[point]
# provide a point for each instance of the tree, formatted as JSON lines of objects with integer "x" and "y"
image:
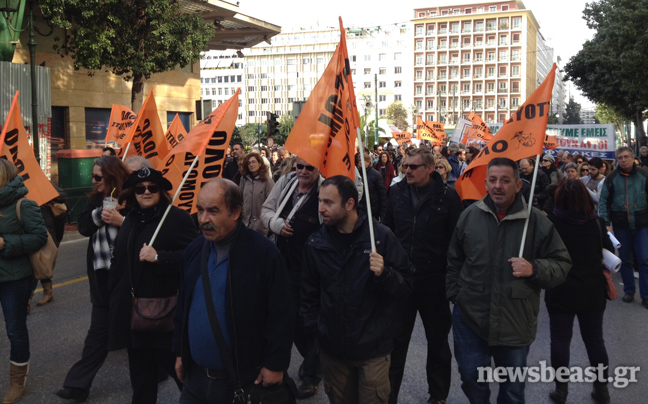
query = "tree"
{"x": 133, "y": 38}
{"x": 606, "y": 114}
{"x": 250, "y": 133}
{"x": 286, "y": 123}
{"x": 572, "y": 113}
{"x": 368, "y": 130}
{"x": 397, "y": 113}
{"x": 610, "y": 68}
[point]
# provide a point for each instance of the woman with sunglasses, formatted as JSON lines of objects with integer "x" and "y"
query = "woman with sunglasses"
{"x": 100, "y": 223}
{"x": 583, "y": 170}
{"x": 140, "y": 270}
{"x": 256, "y": 185}
{"x": 445, "y": 171}
{"x": 548, "y": 165}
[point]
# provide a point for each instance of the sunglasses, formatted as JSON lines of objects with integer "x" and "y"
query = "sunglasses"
{"x": 546, "y": 161}
{"x": 140, "y": 189}
{"x": 439, "y": 168}
{"x": 96, "y": 177}
{"x": 412, "y": 166}
{"x": 302, "y": 166}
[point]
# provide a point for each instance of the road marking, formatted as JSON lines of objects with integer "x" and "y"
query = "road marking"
{"x": 58, "y": 285}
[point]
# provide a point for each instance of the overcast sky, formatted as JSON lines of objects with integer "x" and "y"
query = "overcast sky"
{"x": 561, "y": 21}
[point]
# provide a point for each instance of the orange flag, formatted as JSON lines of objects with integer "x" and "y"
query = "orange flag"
{"x": 522, "y": 136}
{"x": 14, "y": 146}
{"x": 326, "y": 130}
{"x": 479, "y": 132}
{"x": 208, "y": 140}
{"x": 146, "y": 136}
{"x": 402, "y": 137}
{"x": 550, "y": 142}
{"x": 121, "y": 120}
{"x": 176, "y": 133}
{"x": 432, "y": 131}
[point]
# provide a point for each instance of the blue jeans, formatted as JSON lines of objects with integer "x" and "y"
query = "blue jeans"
{"x": 473, "y": 352}
{"x": 637, "y": 239}
{"x": 14, "y": 296}
{"x": 200, "y": 389}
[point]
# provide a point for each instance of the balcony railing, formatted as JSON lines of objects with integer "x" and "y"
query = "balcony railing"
{"x": 443, "y": 47}
{"x": 502, "y": 90}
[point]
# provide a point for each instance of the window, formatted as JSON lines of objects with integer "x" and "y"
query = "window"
{"x": 468, "y": 11}
{"x": 502, "y": 102}
{"x": 251, "y": 88}
{"x": 382, "y": 98}
{"x": 490, "y": 71}
{"x": 264, "y": 88}
{"x": 466, "y": 57}
{"x": 277, "y": 88}
{"x": 320, "y": 61}
{"x": 367, "y": 58}
{"x": 277, "y": 100}
{"x": 478, "y": 72}
{"x": 443, "y": 58}
{"x": 491, "y": 56}
{"x": 290, "y": 62}
{"x": 503, "y": 40}
{"x": 226, "y": 91}
{"x": 503, "y": 55}
{"x": 220, "y": 79}
{"x": 467, "y": 27}
{"x": 239, "y": 78}
{"x": 490, "y": 87}
{"x": 443, "y": 88}
{"x": 419, "y": 104}
{"x": 226, "y": 79}
{"x": 419, "y": 60}
{"x": 479, "y": 26}
{"x": 398, "y": 70}
{"x": 515, "y": 71}
{"x": 419, "y": 90}
{"x": 478, "y": 57}
{"x": 250, "y": 100}
{"x": 454, "y": 28}
{"x": 430, "y": 104}
{"x": 419, "y": 45}
{"x": 515, "y": 54}
{"x": 383, "y": 56}
{"x": 382, "y": 84}
{"x": 478, "y": 88}
{"x": 398, "y": 97}
{"x": 516, "y": 22}
{"x": 220, "y": 91}
{"x": 515, "y": 102}
{"x": 367, "y": 72}
{"x": 251, "y": 113}
{"x": 502, "y": 71}
{"x": 382, "y": 70}
{"x": 398, "y": 84}
{"x": 419, "y": 75}
{"x": 492, "y": 9}
{"x": 306, "y": 61}
{"x": 367, "y": 84}
{"x": 264, "y": 100}
{"x": 398, "y": 56}
{"x": 419, "y": 30}
{"x": 505, "y": 7}
{"x": 353, "y": 58}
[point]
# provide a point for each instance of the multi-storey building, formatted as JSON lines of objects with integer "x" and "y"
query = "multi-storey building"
{"x": 546, "y": 57}
{"x": 273, "y": 76}
{"x": 474, "y": 56}
{"x": 587, "y": 115}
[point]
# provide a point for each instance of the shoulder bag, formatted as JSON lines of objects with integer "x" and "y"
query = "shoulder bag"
{"x": 251, "y": 393}
{"x": 43, "y": 260}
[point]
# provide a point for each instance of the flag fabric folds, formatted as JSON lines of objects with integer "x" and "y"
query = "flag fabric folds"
{"x": 15, "y": 147}
{"x": 430, "y": 131}
{"x": 521, "y": 136}
{"x": 176, "y": 133}
{"x": 120, "y": 123}
{"x": 478, "y": 133}
{"x": 325, "y": 132}
{"x": 209, "y": 141}
{"x": 402, "y": 137}
{"x": 550, "y": 142}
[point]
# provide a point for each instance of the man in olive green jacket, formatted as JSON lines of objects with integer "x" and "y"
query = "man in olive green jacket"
{"x": 496, "y": 292}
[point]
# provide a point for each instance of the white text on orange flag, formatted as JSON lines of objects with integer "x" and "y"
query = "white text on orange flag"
{"x": 120, "y": 123}
{"x": 522, "y": 136}
{"x": 15, "y": 148}
{"x": 209, "y": 141}
{"x": 324, "y": 134}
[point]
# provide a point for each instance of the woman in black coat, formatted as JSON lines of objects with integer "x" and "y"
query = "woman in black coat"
{"x": 150, "y": 271}
{"x": 583, "y": 294}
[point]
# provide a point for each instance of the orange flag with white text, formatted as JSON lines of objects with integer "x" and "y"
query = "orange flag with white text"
{"x": 15, "y": 147}
{"x": 176, "y": 133}
{"x": 208, "y": 140}
{"x": 478, "y": 133}
{"x": 521, "y": 136}
{"x": 146, "y": 136}
{"x": 431, "y": 131}
{"x": 121, "y": 120}
{"x": 325, "y": 132}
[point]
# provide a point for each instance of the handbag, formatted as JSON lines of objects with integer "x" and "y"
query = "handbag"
{"x": 251, "y": 393}
{"x": 151, "y": 314}
{"x": 43, "y": 260}
{"x": 609, "y": 285}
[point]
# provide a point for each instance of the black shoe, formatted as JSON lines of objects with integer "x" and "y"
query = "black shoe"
{"x": 644, "y": 303}
{"x": 73, "y": 393}
{"x": 628, "y": 298}
{"x": 306, "y": 389}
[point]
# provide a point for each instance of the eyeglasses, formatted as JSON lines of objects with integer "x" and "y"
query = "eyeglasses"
{"x": 412, "y": 166}
{"x": 302, "y": 166}
{"x": 96, "y": 177}
{"x": 546, "y": 161}
{"x": 439, "y": 168}
{"x": 140, "y": 189}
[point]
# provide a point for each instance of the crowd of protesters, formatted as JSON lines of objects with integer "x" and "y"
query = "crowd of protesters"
{"x": 286, "y": 257}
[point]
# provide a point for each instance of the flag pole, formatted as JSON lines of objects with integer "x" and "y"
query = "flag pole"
{"x": 366, "y": 192}
{"x": 126, "y": 152}
{"x": 175, "y": 196}
{"x": 526, "y": 222}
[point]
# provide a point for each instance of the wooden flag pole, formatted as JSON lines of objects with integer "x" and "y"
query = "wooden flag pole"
{"x": 126, "y": 152}
{"x": 366, "y": 191}
{"x": 175, "y": 196}
{"x": 526, "y": 223}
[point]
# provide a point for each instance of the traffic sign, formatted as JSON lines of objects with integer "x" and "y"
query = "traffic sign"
{"x": 270, "y": 141}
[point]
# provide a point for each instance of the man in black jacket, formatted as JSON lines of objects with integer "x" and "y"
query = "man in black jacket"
{"x": 377, "y": 193}
{"x": 422, "y": 212}
{"x": 349, "y": 293}
{"x": 251, "y": 298}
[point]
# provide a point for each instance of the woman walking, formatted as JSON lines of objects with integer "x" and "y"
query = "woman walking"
{"x": 256, "y": 185}
{"x": 18, "y": 239}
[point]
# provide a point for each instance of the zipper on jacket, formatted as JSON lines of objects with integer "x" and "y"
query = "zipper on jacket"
{"x": 229, "y": 282}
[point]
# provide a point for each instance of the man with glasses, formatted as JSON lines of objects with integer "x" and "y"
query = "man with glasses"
{"x": 422, "y": 212}
{"x": 290, "y": 211}
{"x": 624, "y": 207}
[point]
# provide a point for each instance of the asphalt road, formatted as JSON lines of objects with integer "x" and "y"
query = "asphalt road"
{"x": 57, "y": 331}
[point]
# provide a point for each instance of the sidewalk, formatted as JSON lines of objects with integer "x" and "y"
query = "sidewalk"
{"x": 71, "y": 233}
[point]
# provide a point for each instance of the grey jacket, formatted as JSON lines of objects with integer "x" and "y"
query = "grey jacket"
{"x": 255, "y": 193}
{"x": 502, "y": 309}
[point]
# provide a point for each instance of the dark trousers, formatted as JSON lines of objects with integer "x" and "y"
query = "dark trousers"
{"x": 429, "y": 299}
{"x": 95, "y": 351}
{"x": 200, "y": 389}
{"x": 591, "y": 328}
{"x": 143, "y": 365}
{"x": 14, "y": 296}
{"x": 306, "y": 346}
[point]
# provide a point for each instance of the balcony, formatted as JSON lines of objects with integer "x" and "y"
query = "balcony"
{"x": 515, "y": 90}
{"x": 479, "y": 44}
{"x": 429, "y": 94}
{"x": 431, "y": 33}
{"x": 429, "y": 48}
{"x": 490, "y": 28}
{"x": 503, "y": 59}
{"x": 479, "y": 60}
{"x": 443, "y": 62}
{"x": 466, "y": 31}
{"x": 429, "y": 63}
{"x": 515, "y": 58}
{"x": 454, "y": 45}
{"x": 503, "y": 43}
{"x": 465, "y": 92}
{"x": 503, "y": 26}
{"x": 418, "y": 93}
{"x": 454, "y": 31}
{"x": 465, "y": 45}
{"x": 490, "y": 43}
{"x": 442, "y": 46}
{"x": 443, "y": 31}
{"x": 465, "y": 77}
{"x": 502, "y": 75}
{"x": 502, "y": 90}
{"x": 442, "y": 77}
{"x": 477, "y": 76}
{"x": 479, "y": 29}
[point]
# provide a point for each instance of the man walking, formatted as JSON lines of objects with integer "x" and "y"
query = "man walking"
{"x": 624, "y": 208}
{"x": 422, "y": 212}
{"x": 231, "y": 171}
{"x": 496, "y": 292}
{"x": 348, "y": 295}
{"x": 251, "y": 297}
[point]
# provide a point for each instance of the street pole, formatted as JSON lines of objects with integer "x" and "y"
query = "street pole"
{"x": 34, "y": 89}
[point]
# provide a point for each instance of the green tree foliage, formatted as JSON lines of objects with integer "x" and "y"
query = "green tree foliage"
{"x": 368, "y": 130}
{"x": 133, "y": 38}
{"x": 286, "y": 123}
{"x": 611, "y": 67}
{"x": 572, "y": 113}
{"x": 397, "y": 113}
{"x": 249, "y": 133}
